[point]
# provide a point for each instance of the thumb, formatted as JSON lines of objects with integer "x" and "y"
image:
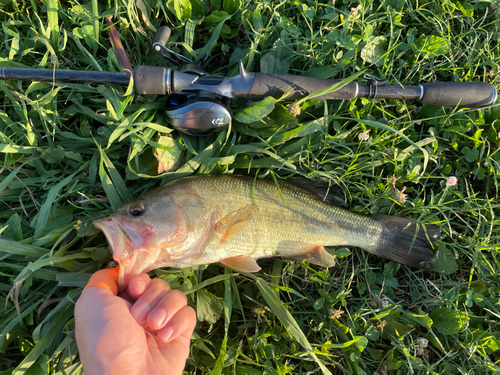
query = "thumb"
{"x": 107, "y": 279}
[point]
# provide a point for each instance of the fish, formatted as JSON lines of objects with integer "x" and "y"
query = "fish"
{"x": 235, "y": 220}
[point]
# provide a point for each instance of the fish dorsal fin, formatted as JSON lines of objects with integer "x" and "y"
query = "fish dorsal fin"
{"x": 241, "y": 263}
{"x": 316, "y": 255}
{"x": 320, "y": 190}
{"x": 236, "y": 221}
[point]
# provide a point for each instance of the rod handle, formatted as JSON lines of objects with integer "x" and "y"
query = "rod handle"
{"x": 151, "y": 80}
{"x": 463, "y": 94}
{"x": 277, "y": 85}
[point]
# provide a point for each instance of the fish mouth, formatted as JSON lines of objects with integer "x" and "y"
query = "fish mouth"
{"x": 118, "y": 239}
{"x": 121, "y": 247}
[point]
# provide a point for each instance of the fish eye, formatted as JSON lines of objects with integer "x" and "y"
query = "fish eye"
{"x": 137, "y": 209}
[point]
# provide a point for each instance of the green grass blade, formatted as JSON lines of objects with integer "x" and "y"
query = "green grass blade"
{"x": 189, "y": 39}
{"x": 214, "y": 37}
{"x": 117, "y": 180}
{"x": 107, "y": 184}
{"x": 126, "y": 123}
{"x": 288, "y": 321}
{"x": 13, "y": 149}
{"x": 52, "y": 12}
{"x": 259, "y": 150}
{"x": 210, "y": 281}
{"x": 47, "y": 205}
{"x": 334, "y": 87}
{"x": 95, "y": 13}
{"x": 7, "y": 180}
{"x": 360, "y": 340}
{"x": 33, "y": 267}
{"x": 12, "y": 247}
{"x": 376, "y": 124}
{"x": 228, "y": 308}
{"x": 9, "y": 326}
{"x": 46, "y": 340}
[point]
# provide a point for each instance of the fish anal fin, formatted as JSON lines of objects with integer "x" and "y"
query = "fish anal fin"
{"x": 316, "y": 254}
{"x": 236, "y": 221}
{"x": 241, "y": 263}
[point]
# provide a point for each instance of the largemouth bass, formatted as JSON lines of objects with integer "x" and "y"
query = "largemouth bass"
{"x": 235, "y": 220}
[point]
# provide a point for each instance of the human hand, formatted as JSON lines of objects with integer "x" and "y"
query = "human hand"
{"x": 145, "y": 330}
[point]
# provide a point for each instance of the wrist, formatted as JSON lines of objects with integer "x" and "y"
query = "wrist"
{"x": 100, "y": 369}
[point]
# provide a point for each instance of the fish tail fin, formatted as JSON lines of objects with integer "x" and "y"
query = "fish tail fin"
{"x": 405, "y": 242}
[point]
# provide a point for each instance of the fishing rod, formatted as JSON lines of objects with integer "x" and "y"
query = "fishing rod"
{"x": 198, "y": 103}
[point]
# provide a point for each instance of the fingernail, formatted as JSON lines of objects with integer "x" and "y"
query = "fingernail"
{"x": 141, "y": 286}
{"x": 158, "y": 316}
{"x": 141, "y": 310}
{"x": 166, "y": 333}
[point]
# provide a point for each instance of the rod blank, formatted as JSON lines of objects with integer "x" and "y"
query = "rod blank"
{"x": 68, "y": 76}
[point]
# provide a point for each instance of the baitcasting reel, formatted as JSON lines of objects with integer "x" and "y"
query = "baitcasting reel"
{"x": 200, "y": 112}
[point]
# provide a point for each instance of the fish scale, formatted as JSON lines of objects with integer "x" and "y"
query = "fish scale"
{"x": 297, "y": 217}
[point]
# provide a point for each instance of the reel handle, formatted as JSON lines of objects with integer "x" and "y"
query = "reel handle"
{"x": 162, "y": 36}
{"x": 160, "y": 40}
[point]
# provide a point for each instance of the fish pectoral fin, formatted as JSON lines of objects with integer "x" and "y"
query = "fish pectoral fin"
{"x": 316, "y": 255}
{"x": 241, "y": 263}
{"x": 236, "y": 221}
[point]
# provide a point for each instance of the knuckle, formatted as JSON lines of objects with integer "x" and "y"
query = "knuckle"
{"x": 160, "y": 284}
{"x": 178, "y": 295}
{"x": 191, "y": 311}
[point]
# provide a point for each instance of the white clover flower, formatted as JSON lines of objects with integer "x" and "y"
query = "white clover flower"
{"x": 363, "y": 136}
{"x": 452, "y": 181}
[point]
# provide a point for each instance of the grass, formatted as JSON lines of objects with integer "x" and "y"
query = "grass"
{"x": 71, "y": 153}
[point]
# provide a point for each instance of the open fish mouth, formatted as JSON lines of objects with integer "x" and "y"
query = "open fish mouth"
{"x": 118, "y": 239}
{"x": 120, "y": 243}
{"x": 123, "y": 246}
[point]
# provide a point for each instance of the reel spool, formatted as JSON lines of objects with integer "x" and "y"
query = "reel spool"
{"x": 198, "y": 113}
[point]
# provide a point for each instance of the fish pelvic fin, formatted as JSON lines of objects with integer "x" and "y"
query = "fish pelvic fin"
{"x": 241, "y": 263}
{"x": 405, "y": 242}
{"x": 236, "y": 221}
{"x": 316, "y": 255}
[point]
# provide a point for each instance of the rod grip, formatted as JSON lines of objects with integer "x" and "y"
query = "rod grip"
{"x": 277, "y": 85}
{"x": 463, "y": 94}
{"x": 162, "y": 35}
{"x": 150, "y": 80}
